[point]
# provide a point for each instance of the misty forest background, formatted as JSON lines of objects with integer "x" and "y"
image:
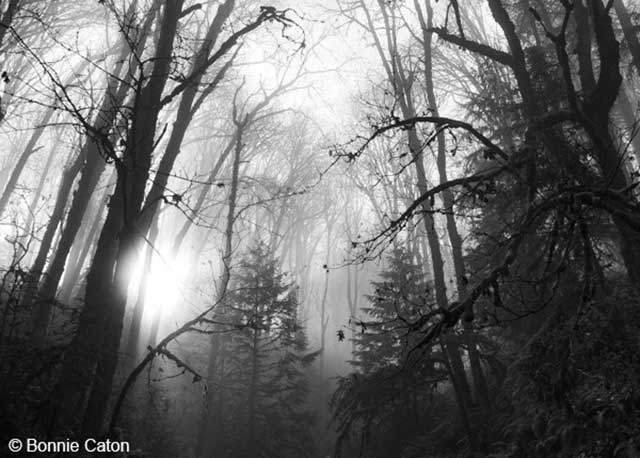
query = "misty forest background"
{"x": 355, "y": 228}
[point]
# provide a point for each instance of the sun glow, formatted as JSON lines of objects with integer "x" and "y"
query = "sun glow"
{"x": 164, "y": 285}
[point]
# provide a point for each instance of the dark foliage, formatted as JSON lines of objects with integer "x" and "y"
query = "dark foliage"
{"x": 262, "y": 366}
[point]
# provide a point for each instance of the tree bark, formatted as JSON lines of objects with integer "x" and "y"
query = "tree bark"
{"x": 597, "y": 109}
{"x": 253, "y": 390}
{"x": 324, "y": 318}
{"x": 458, "y": 374}
{"x": 7, "y": 18}
{"x": 186, "y": 111}
{"x": 132, "y": 178}
{"x": 33, "y": 205}
{"x": 479, "y": 381}
{"x": 90, "y": 362}
{"x": 208, "y": 418}
{"x": 202, "y": 196}
{"x": 628, "y": 30}
{"x": 29, "y": 149}
{"x": 629, "y": 116}
{"x": 91, "y": 172}
{"x": 31, "y": 146}
{"x": 583, "y": 47}
{"x": 402, "y": 86}
{"x": 42, "y": 313}
{"x": 76, "y": 262}
{"x": 89, "y": 178}
{"x": 136, "y": 321}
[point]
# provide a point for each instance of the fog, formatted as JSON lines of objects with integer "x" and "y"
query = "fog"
{"x": 319, "y": 229}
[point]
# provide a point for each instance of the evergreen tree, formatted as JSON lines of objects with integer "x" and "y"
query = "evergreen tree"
{"x": 400, "y": 295}
{"x": 263, "y": 387}
{"x": 385, "y": 408}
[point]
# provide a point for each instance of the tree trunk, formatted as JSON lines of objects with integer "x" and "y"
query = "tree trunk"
{"x": 253, "y": 392}
{"x": 479, "y": 381}
{"x": 33, "y": 140}
{"x": 186, "y": 111}
{"x": 33, "y": 205}
{"x": 457, "y": 371}
{"x": 136, "y": 321}
{"x": 597, "y": 108}
{"x": 324, "y": 318}
{"x": 153, "y": 200}
{"x": 42, "y": 312}
{"x": 7, "y": 18}
{"x": 89, "y": 178}
{"x": 90, "y": 362}
{"x": 629, "y": 33}
{"x": 352, "y": 282}
{"x": 208, "y": 418}
{"x": 628, "y": 114}
{"x": 202, "y": 196}
{"x": 92, "y": 170}
{"x": 458, "y": 374}
{"x": 583, "y": 47}
{"x": 5, "y": 24}
{"x": 132, "y": 175}
{"x": 352, "y": 300}
{"x": 84, "y": 249}
{"x": 29, "y": 149}
{"x": 402, "y": 86}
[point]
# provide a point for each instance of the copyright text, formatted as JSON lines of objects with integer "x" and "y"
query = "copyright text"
{"x": 32, "y": 445}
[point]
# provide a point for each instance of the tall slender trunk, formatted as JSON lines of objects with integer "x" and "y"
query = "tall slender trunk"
{"x": 7, "y": 18}
{"x": 136, "y": 321}
{"x": 31, "y": 146}
{"x": 37, "y": 193}
{"x": 253, "y": 391}
{"x": 89, "y": 178}
{"x": 218, "y": 421}
{"x": 629, "y": 32}
{"x": 153, "y": 200}
{"x": 630, "y": 118}
{"x": 80, "y": 362}
{"x": 451, "y": 348}
{"x": 42, "y": 312}
{"x": 205, "y": 441}
{"x": 352, "y": 300}
{"x": 81, "y": 251}
{"x": 402, "y": 86}
{"x": 73, "y": 259}
{"x": 477, "y": 374}
{"x": 324, "y": 318}
{"x": 583, "y": 47}
{"x": 92, "y": 170}
{"x": 182, "y": 233}
{"x": 352, "y": 284}
{"x": 133, "y": 174}
{"x": 186, "y": 110}
{"x": 597, "y": 109}
{"x": 28, "y": 151}
{"x": 5, "y": 24}
{"x": 90, "y": 362}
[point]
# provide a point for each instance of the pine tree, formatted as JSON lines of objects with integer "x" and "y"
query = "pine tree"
{"x": 388, "y": 404}
{"x": 401, "y": 293}
{"x": 264, "y": 386}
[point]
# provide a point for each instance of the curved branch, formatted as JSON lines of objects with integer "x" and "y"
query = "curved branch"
{"x": 410, "y": 123}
